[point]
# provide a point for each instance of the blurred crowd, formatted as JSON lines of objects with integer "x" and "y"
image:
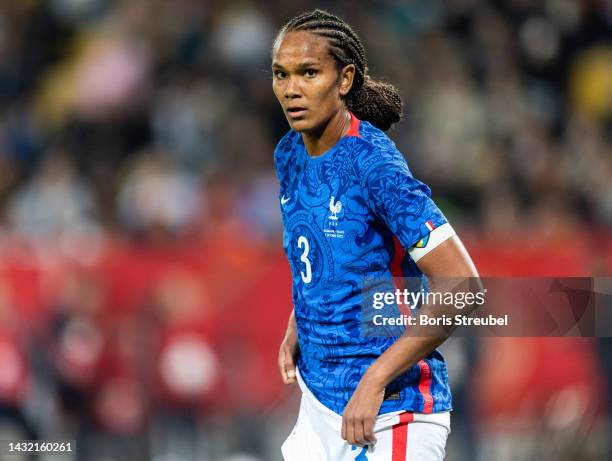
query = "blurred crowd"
{"x": 142, "y": 288}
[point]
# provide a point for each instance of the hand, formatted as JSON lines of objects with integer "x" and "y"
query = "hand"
{"x": 360, "y": 413}
{"x": 286, "y": 357}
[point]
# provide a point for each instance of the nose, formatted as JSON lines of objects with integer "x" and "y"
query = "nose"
{"x": 292, "y": 88}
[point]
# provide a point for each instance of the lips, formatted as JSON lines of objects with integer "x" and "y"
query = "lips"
{"x": 296, "y": 112}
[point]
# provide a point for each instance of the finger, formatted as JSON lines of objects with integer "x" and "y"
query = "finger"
{"x": 288, "y": 367}
{"x": 358, "y": 432}
{"x": 281, "y": 364}
{"x": 343, "y": 430}
{"x": 368, "y": 431}
{"x": 350, "y": 432}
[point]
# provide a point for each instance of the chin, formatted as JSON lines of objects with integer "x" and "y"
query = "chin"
{"x": 304, "y": 126}
{"x": 299, "y": 125}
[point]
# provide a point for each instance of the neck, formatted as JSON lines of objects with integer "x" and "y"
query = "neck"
{"x": 320, "y": 142}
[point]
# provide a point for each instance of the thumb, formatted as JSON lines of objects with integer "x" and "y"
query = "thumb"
{"x": 291, "y": 374}
{"x": 289, "y": 369}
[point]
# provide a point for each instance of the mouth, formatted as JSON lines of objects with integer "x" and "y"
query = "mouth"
{"x": 296, "y": 112}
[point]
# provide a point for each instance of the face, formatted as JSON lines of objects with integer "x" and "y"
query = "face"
{"x": 307, "y": 82}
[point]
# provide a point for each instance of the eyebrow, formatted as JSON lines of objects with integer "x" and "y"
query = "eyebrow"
{"x": 300, "y": 66}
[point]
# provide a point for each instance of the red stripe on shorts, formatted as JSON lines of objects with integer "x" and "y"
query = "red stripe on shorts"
{"x": 399, "y": 437}
{"x": 425, "y": 386}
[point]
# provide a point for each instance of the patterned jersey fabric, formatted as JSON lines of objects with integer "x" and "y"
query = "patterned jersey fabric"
{"x": 341, "y": 214}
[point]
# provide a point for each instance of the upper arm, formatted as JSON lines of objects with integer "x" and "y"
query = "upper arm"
{"x": 405, "y": 205}
{"x": 400, "y": 200}
{"x": 448, "y": 259}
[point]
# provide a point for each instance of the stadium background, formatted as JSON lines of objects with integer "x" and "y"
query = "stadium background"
{"x": 143, "y": 289}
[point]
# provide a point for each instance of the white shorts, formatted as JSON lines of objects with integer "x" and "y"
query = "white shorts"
{"x": 401, "y": 436}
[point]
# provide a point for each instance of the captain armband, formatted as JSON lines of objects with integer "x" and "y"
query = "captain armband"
{"x": 436, "y": 236}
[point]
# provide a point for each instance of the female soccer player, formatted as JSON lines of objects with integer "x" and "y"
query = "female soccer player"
{"x": 352, "y": 209}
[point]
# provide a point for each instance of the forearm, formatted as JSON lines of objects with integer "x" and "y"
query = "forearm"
{"x": 398, "y": 358}
{"x": 288, "y": 351}
{"x": 291, "y": 325}
{"x": 291, "y": 333}
{"x": 419, "y": 340}
{"x": 449, "y": 268}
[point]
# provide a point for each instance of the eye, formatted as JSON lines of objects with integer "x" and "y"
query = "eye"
{"x": 279, "y": 74}
{"x": 310, "y": 73}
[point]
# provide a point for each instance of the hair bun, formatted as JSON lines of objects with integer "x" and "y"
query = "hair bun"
{"x": 377, "y": 102}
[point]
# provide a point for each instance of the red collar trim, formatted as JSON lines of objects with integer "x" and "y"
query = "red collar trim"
{"x": 354, "y": 128}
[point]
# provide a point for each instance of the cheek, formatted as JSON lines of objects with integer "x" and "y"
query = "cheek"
{"x": 327, "y": 93}
{"x": 330, "y": 98}
{"x": 276, "y": 89}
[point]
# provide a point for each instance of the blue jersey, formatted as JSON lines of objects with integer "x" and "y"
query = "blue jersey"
{"x": 343, "y": 213}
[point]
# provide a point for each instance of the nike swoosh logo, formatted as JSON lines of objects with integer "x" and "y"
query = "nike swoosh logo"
{"x": 284, "y": 200}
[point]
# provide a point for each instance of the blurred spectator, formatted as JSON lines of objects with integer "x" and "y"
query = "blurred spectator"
{"x": 158, "y": 196}
{"x": 56, "y": 203}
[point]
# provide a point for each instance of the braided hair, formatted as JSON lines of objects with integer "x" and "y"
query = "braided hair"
{"x": 377, "y": 102}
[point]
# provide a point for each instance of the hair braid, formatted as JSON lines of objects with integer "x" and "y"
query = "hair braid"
{"x": 369, "y": 99}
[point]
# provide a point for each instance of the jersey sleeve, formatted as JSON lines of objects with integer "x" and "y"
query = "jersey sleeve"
{"x": 404, "y": 203}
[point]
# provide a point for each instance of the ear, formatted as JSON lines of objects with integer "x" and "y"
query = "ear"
{"x": 346, "y": 79}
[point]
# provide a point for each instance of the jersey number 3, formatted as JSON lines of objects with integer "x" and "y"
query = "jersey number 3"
{"x": 303, "y": 243}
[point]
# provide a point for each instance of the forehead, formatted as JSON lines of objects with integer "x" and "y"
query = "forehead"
{"x": 296, "y": 47}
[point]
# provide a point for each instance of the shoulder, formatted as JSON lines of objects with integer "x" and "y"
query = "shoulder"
{"x": 374, "y": 137}
{"x": 286, "y": 143}
{"x": 284, "y": 149}
{"x": 373, "y": 150}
